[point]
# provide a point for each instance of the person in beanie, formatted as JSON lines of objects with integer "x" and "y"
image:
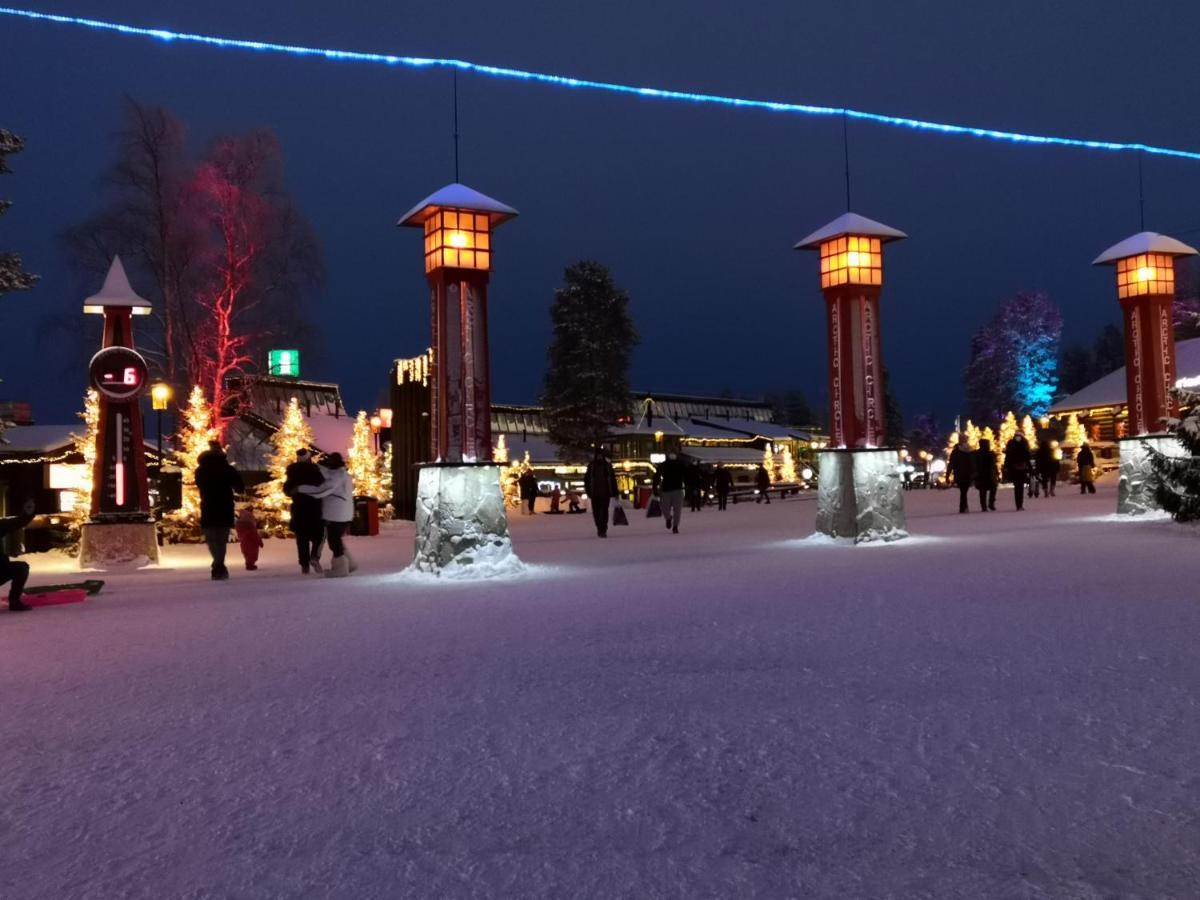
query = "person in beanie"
{"x": 1018, "y": 462}
{"x": 600, "y": 483}
{"x": 217, "y": 481}
{"x": 306, "y": 521}
{"x": 986, "y": 479}
{"x": 15, "y": 571}
{"x": 962, "y": 471}
{"x": 248, "y": 537}
{"x": 337, "y": 509}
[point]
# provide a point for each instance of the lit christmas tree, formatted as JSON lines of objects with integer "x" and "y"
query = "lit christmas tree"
{"x": 364, "y": 462}
{"x": 787, "y": 467}
{"x": 500, "y": 451}
{"x": 192, "y": 440}
{"x": 989, "y": 436}
{"x": 769, "y": 462}
{"x": 1029, "y": 431}
{"x": 293, "y": 434}
{"x": 85, "y": 445}
{"x": 1008, "y": 430}
{"x": 1076, "y": 433}
{"x": 951, "y": 443}
{"x": 971, "y": 433}
{"x": 509, "y": 476}
{"x": 1177, "y": 479}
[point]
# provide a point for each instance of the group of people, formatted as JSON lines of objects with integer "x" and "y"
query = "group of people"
{"x": 322, "y": 507}
{"x": 1030, "y": 470}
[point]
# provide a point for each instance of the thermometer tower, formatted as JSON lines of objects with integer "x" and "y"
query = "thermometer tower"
{"x": 122, "y": 527}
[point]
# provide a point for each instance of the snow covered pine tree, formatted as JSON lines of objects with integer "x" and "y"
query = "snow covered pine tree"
{"x": 13, "y": 276}
{"x": 1177, "y": 479}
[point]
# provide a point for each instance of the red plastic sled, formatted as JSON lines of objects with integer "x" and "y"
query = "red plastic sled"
{"x": 56, "y": 598}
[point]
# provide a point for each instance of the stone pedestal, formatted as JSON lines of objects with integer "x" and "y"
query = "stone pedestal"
{"x": 462, "y": 527}
{"x": 860, "y": 496}
{"x": 1135, "y": 491}
{"x": 105, "y": 545}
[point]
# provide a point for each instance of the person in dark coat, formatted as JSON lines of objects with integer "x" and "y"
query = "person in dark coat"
{"x": 600, "y": 482}
{"x": 762, "y": 481}
{"x": 1086, "y": 461}
{"x": 1018, "y": 462}
{"x": 217, "y": 481}
{"x": 723, "y": 482}
{"x": 528, "y": 486}
{"x": 670, "y": 481}
{"x": 962, "y": 470}
{"x": 694, "y": 484}
{"x": 984, "y": 471}
{"x": 15, "y": 572}
{"x": 306, "y": 521}
{"x": 1047, "y": 467}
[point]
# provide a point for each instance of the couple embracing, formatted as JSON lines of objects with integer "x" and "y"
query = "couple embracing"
{"x": 322, "y": 509}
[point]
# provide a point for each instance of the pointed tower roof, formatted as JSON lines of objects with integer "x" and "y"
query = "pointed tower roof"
{"x": 457, "y": 196}
{"x": 1144, "y": 242}
{"x": 116, "y": 292}
{"x": 850, "y": 223}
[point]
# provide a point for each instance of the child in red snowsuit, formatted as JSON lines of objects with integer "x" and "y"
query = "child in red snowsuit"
{"x": 248, "y": 537}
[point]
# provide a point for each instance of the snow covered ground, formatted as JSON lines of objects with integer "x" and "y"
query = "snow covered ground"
{"x": 1004, "y": 706}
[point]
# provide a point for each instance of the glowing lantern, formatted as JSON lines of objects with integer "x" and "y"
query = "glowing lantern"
{"x": 160, "y": 396}
{"x": 851, "y": 251}
{"x": 1145, "y": 265}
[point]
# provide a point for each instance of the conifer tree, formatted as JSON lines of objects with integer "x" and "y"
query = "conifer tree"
{"x": 1029, "y": 431}
{"x": 1176, "y": 479}
{"x": 769, "y": 462}
{"x": 587, "y": 376}
{"x": 192, "y": 440}
{"x": 363, "y": 463}
{"x": 787, "y": 466}
{"x": 292, "y": 435}
{"x": 1076, "y": 433}
{"x": 85, "y": 445}
{"x": 13, "y": 276}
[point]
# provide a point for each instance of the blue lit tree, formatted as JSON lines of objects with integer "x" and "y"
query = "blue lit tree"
{"x": 1014, "y": 359}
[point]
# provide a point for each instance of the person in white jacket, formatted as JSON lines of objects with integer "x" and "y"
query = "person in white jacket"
{"x": 337, "y": 510}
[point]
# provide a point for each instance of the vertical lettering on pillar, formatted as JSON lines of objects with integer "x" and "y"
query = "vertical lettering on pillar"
{"x": 837, "y": 410}
{"x": 870, "y": 388}
{"x": 437, "y": 310}
{"x": 1166, "y": 352}
{"x": 483, "y": 392}
{"x": 1137, "y": 399}
{"x": 453, "y": 383}
{"x": 467, "y": 310}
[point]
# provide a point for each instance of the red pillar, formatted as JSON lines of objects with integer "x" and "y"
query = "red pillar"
{"x": 856, "y": 416}
{"x": 1149, "y": 361}
{"x": 119, "y": 475}
{"x": 461, "y": 426}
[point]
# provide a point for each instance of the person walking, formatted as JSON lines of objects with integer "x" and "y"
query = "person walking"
{"x": 762, "y": 481}
{"x": 1017, "y": 464}
{"x": 723, "y": 482}
{"x": 984, "y": 470}
{"x": 248, "y": 537}
{"x": 306, "y": 523}
{"x": 529, "y": 490}
{"x": 600, "y": 482}
{"x": 670, "y": 477}
{"x": 693, "y": 482}
{"x": 962, "y": 469}
{"x": 15, "y": 573}
{"x": 336, "y": 493}
{"x": 1047, "y": 466}
{"x": 217, "y": 481}
{"x": 1085, "y": 460}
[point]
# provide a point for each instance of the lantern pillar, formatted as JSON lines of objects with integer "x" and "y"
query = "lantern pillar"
{"x": 1145, "y": 268}
{"x": 860, "y": 494}
{"x": 461, "y": 522}
{"x": 122, "y": 529}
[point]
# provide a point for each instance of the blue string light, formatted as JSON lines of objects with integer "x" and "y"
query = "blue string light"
{"x": 566, "y": 81}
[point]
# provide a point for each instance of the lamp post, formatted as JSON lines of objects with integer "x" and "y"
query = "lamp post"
{"x": 455, "y": 500}
{"x": 376, "y": 423}
{"x": 160, "y": 399}
{"x": 1145, "y": 269}
{"x": 860, "y": 495}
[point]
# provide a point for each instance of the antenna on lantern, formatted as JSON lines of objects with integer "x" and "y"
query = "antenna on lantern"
{"x": 846, "y": 153}
{"x": 1141, "y": 194}
{"x": 456, "y": 126}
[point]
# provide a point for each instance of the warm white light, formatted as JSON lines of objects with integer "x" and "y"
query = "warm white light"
{"x": 806, "y": 474}
{"x": 458, "y": 239}
{"x": 1145, "y": 273}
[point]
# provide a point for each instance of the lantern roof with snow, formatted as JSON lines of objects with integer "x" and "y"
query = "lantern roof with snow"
{"x": 1143, "y": 242}
{"x": 850, "y": 224}
{"x": 458, "y": 196}
{"x": 116, "y": 293}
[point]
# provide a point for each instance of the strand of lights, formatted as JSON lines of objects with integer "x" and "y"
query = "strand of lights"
{"x": 567, "y": 81}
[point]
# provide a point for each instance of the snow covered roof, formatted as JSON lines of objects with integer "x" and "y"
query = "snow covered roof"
{"x": 665, "y": 424}
{"x": 850, "y": 223}
{"x": 457, "y": 196}
{"x": 737, "y": 456}
{"x": 747, "y": 428}
{"x": 1144, "y": 242}
{"x": 1110, "y": 390}
{"x": 38, "y": 438}
{"x": 116, "y": 292}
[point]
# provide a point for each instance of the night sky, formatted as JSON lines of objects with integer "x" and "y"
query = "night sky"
{"x": 694, "y": 208}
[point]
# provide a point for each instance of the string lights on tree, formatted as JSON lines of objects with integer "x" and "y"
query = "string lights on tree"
{"x": 364, "y": 463}
{"x": 193, "y": 439}
{"x": 787, "y": 466}
{"x": 292, "y": 435}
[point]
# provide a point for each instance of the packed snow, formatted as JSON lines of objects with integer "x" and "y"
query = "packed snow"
{"x": 1003, "y": 706}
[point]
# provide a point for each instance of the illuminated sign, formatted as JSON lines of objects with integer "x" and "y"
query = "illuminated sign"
{"x": 284, "y": 362}
{"x": 118, "y": 373}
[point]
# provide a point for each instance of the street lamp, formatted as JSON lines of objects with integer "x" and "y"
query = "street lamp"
{"x": 160, "y": 399}
{"x": 376, "y": 424}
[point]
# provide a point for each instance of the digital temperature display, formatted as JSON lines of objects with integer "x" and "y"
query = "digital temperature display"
{"x": 118, "y": 373}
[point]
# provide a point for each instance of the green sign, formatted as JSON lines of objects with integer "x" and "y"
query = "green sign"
{"x": 284, "y": 362}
